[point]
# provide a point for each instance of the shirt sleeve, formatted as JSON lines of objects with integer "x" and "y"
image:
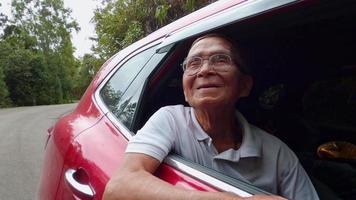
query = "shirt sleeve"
{"x": 157, "y": 136}
{"x": 295, "y": 183}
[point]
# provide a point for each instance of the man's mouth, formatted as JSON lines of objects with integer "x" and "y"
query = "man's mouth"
{"x": 205, "y": 86}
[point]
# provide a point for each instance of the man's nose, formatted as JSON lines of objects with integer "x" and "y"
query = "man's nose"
{"x": 206, "y": 67}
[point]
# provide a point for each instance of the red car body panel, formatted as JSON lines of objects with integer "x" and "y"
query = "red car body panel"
{"x": 105, "y": 156}
{"x": 51, "y": 172}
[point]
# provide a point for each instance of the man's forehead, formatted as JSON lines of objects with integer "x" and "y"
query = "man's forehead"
{"x": 210, "y": 45}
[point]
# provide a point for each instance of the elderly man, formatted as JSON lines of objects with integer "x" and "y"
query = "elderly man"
{"x": 211, "y": 133}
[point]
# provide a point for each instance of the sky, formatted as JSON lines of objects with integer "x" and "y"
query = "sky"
{"x": 82, "y": 12}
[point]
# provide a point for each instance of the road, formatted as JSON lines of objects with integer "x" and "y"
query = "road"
{"x": 23, "y": 133}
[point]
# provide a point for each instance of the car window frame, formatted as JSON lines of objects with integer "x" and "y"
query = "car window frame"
{"x": 97, "y": 97}
{"x": 142, "y": 77}
{"x": 130, "y": 77}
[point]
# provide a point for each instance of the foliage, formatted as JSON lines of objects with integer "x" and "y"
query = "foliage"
{"x": 36, "y": 51}
{"x": 4, "y": 93}
{"x": 37, "y": 65}
{"x": 119, "y": 23}
{"x": 5, "y": 51}
{"x": 50, "y": 23}
{"x": 19, "y": 77}
{"x": 89, "y": 65}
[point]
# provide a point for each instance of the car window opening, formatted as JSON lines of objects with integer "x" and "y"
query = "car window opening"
{"x": 304, "y": 92}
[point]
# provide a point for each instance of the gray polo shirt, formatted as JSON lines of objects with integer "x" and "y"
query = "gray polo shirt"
{"x": 262, "y": 159}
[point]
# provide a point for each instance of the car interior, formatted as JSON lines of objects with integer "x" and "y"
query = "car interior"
{"x": 303, "y": 63}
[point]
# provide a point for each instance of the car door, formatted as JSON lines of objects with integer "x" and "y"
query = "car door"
{"x": 88, "y": 159}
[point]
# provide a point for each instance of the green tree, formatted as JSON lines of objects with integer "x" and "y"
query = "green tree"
{"x": 23, "y": 69}
{"x": 4, "y": 52}
{"x": 19, "y": 77}
{"x": 39, "y": 81}
{"x": 4, "y": 93}
{"x": 50, "y": 24}
{"x": 15, "y": 51}
{"x": 121, "y": 22}
{"x": 3, "y": 19}
{"x": 88, "y": 67}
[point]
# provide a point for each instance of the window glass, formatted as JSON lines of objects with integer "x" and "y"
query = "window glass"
{"x": 129, "y": 101}
{"x": 116, "y": 87}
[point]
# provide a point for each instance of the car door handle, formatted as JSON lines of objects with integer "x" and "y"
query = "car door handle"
{"x": 82, "y": 190}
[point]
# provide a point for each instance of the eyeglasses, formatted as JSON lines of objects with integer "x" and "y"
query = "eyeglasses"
{"x": 219, "y": 62}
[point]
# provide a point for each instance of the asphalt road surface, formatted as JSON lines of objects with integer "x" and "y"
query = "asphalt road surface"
{"x": 23, "y": 133}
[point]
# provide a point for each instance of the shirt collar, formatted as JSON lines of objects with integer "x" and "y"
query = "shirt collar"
{"x": 251, "y": 145}
{"x": 200, "y": 134}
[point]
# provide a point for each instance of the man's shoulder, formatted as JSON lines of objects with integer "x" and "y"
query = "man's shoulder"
{"x": 175, "y": 110}
{"x": 177, "y": 114}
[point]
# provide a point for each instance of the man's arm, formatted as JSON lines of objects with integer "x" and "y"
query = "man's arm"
{"x": 135, "y": 181}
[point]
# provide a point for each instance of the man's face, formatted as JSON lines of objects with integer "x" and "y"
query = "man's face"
{"x": 209, "y": 88}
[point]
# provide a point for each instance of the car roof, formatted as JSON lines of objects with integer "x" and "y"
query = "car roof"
{"x": 229, "y": 15}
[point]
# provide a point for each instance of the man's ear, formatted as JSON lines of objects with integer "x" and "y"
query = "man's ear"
{"x": 246, "y": 84}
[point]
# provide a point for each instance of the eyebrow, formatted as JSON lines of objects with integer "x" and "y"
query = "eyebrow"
{"x": 228, "y": 52}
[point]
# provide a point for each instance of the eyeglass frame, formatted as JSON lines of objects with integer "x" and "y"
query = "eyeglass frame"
{"x": 232, "y": 62}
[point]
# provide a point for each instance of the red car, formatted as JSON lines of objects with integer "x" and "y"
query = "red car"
{"x": 302, "y": 57}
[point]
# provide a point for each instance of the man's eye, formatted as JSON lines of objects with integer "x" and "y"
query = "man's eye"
{"x": 194, "y": 62}
{"x": 220, "y": 59}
